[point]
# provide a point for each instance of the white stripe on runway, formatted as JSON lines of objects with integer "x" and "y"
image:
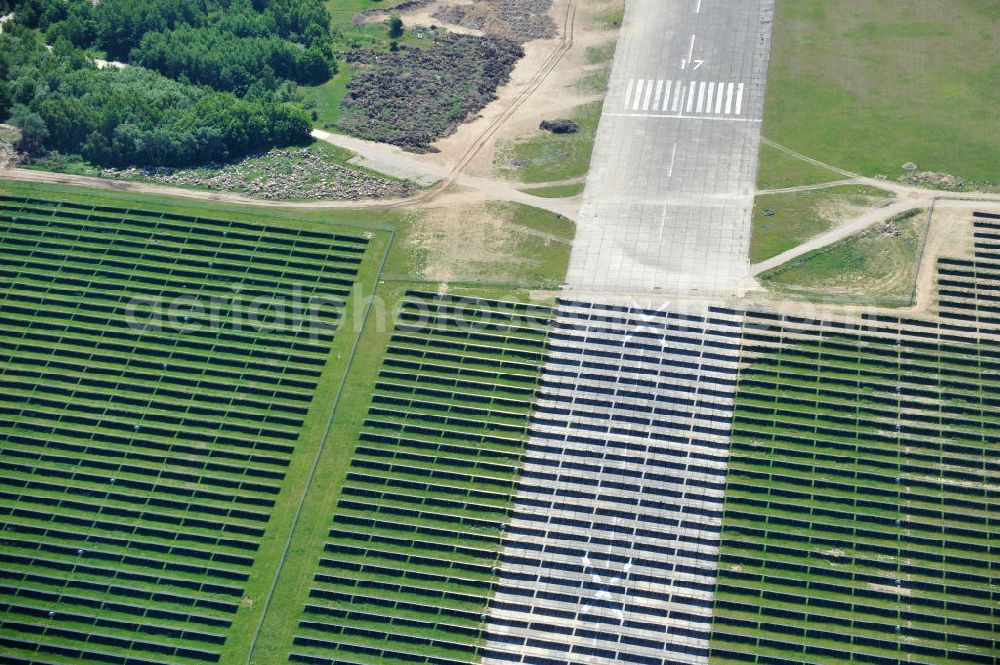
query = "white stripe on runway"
{"x": 666, "y": 95}
{"x": 638, "y": 95}
{"x": 678, "y": 94}
{"x": 729, "y": 99}
{"x": 739, "y": 99}
{"x": 628, "y": 93}
{"x": 649, "y": 93}
{"x": 690, "y": 104}
{"x": 708, "y": 97}
{"x": 656, "y": 98}
{"x": 718, "y": 100}
{"x": 681, "y": 116}
{"x": 701, "y": 96}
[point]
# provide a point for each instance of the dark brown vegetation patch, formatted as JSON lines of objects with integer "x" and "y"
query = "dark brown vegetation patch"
{"x": 415, "y": 96}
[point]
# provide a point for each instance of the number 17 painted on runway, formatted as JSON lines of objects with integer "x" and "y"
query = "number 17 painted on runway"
{"x": 695, "y": 64}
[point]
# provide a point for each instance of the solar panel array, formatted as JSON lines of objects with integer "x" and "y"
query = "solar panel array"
{"x": 969, "y": 290}
{"x": 139, "y": 464}
{"x": 611, "y": 549}
{"x": 861, "y": 505}
{"x": 409, "y": 560}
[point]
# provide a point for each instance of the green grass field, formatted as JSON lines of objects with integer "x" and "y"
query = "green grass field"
{"x": 801, "y": 215}
{"x": 549, "y": 157}
{"x": 883, "y": 83}
{"x": 778, "y": 169}
{"x": 557, "y": 191}
{"x": 874, "y": 267}
{"x": 858, "y": 515}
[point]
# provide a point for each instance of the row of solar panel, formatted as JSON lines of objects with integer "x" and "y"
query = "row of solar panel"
{"x": 239, "y": 408}
{"x": 117, "y": 232}
{"x": 965, "y": 399}
{"x": 415, "y": 313}
{"x": 108, "y": 280}
{"x": 808, "y": 641}
{"x": 36, "y": 405}
{"x": 139, "y": 315}
{"x": 203, "y": 222}
{"x": 866, "y": 474}
{"x": 127, "y": 382}
{"x": 240, "y": 382}
{"x": 222, "y": 323}
{"x": 478, "y": 306}
{"x": 27, "y": 233}
{"x": 134, "y": 489}
{"x": 872, "y": 329}
{"x": 212, "y": 391}
{"x": 860, "y": 501}
{"x": 88, "y": 459}
{"x": 96, "y": 494}
{"x": 183, "y": 358}
{"x": 28, "y": 256}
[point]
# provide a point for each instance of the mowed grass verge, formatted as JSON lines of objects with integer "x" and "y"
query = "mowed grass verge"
{"x": 154, "y": 470}
{"x": 877, "y": 266}
{"x": 868, "y": 85}
{"x": 799, "y": 216}
{"x": 548, "y": 157}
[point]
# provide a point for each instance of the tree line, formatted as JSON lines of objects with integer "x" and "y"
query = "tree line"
{"x": 225, "y": 44}
{"x": 131, "y": 116}
{"x": 208, "y": 80}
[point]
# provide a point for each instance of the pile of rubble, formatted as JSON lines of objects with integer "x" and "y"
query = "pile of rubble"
{"x": 522, "y": 20}
{"x": 284, "y": 174}
{"x": 890, "y": 229}
{"x": 415, "y": 96}
{"x": 935, "y": 180}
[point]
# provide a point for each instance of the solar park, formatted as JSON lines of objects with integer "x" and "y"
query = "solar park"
{"x": 860, "y": 516}
{"x": 142, "y": 465}
{"x": 149, "y": 469}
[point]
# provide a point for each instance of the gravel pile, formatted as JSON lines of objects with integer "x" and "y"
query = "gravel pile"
{"x": 934, "y": 180}
{"x": 522, "y": 20}
{"x": 413, "y": 97}
{"x": 298, "y": 173}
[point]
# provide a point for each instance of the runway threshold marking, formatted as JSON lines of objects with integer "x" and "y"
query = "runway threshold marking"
{"x": 682, "y": 116}
{"x": 691, "y": 97}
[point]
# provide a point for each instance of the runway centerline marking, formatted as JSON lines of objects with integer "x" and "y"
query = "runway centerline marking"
{"x": 673, "y": 156}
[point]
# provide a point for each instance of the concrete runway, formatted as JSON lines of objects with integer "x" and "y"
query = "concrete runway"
{"x": 668, "y": 200}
